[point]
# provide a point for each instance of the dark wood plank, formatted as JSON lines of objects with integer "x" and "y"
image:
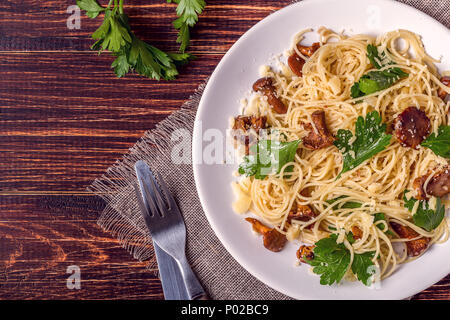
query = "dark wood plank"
{"x": 221, "y": 24}
{"x": 440, "y": 291}
{"x": 60, "y": 132}
{"x": 40, "y": 236}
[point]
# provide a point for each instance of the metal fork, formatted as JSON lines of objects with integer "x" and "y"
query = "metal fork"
{"x": 166, "y": 225}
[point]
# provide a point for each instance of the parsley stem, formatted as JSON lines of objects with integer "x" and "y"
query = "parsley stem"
{"x": 121, "y": 6}
{"x": 109, "y": 4}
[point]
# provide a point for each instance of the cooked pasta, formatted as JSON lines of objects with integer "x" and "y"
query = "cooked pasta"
{"x": 378, "y": 184}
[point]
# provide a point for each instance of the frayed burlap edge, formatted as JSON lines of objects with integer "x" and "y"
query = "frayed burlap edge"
{"x": 115, "y": 186}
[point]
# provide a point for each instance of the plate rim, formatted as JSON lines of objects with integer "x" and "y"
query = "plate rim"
{"x": 195, "y": 151}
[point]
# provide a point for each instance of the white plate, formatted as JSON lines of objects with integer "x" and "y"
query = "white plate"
{"x": 234, "y": 76}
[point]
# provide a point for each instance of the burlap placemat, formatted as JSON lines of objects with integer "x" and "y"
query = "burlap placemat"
{"x": 220, "y": 274}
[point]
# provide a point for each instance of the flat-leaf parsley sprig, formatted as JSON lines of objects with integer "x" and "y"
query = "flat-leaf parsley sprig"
{"x": 370, "y": 139}
{"x": 426, "y": 216}
{"x": 440, "y": 143}
{"x": 187, "y": 12}
{"x": 377, "y": 80}
{"x": 132, "y": 54}
{"x": 332, "y": 260}
{"x": 268, "y": 157}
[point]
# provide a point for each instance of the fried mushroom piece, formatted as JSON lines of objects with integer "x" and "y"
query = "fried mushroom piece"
{"x": 296, "y": 62}
{"x": 320, "y": 139}
{"x": 441, "y": 93}
{"x": 301, "y": 212}
{"x": 308, "y": 50}
{"x": 257, "y": 226}
{"x": 438, "y": 186}
{"x": 273, "y": 240}
{"x": 411, "y": 127}
{"x": 357, "y": 232}
{"x": 265, "y": 86}
{"x": 244, "y": 124}
{"x": 305, "y": 252}
{"x": 413, "y": 247}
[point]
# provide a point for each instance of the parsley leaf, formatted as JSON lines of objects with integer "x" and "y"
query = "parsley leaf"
{"x": 180, "y": 59}
{"x": 425, "y": 217}
{"x": 377, "y": 60}
{"x": 91, "y": 7}
{"x": 151, "y": 62}
{"x": 382, "y": 217}
{"x": 132, "y": 54}
{"x": 351, "y": 238}
{"x": 121, "y": 65}
{"x": 372, "y": 54}
{"x": 375, "y": 81}
{"x": 371, "y": 138}
{"x": 113, "y": 34}
{"x": 187, "y": 12}
{"x": 268, "y": 157}
{"x": 355, "y": 92}
{"x": 439, "y": 144}
{"x": 362, "y": 267}
{"x": 331, "y": 260}
{"x": 379, "y": 80}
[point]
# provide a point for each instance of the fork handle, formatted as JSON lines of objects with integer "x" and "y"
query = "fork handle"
{"x": 193, "y": 287}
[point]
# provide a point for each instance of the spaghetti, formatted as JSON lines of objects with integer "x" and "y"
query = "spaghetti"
{"x": 379, "y": 183}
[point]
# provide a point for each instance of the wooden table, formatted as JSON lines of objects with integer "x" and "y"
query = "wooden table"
{"x": 65, "y": 118}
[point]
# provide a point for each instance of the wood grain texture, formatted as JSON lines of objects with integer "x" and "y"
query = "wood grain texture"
{"x": 65, "y": 118}
{"x": 34, "y": 25}
{"x": 65, "y": 127}
{"x": 40, "y": 236}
